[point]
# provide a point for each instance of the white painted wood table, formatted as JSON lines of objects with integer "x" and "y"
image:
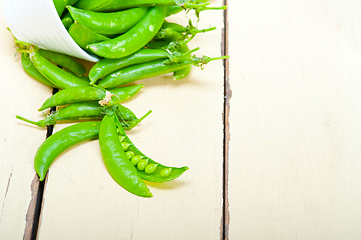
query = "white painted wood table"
{"x": 272, "y": 138}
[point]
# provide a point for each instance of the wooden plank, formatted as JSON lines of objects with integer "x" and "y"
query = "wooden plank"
{"x": 295, "y": 120}
{"x": 22, "y": 95}
{"x": 82, "y": 201}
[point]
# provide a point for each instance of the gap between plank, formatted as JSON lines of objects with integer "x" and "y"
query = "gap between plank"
{"x": 33, "y": 215}
{"x": 226, "y": 134}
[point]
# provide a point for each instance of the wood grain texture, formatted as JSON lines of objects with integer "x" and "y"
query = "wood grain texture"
{"x": 22, "y": 95}
{"x": 295, "y": 114}
{"x": 82, "y": 201}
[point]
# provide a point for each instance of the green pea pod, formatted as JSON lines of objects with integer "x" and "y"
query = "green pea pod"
{"x": 116, "y": 160}
{"x": 73, "y": 112}
{"x": 33, "y": 72}
{"x": 172, "y": 10}
{"x": 67, "y": 20}
{"x": 173, "y": 6}
{"x": 54, "y": 74}
{"x": 64, "y": 61}
{"x": 153, "y": 68}
{"x": 115, "y": 5}
{"x": 108, "y": 23}
{"x": 175, "y": 26}
{"x": 85, "y": 94}
{"x": 86, "y": 111}
{"x": 133, "y": 40}
{"x": 72, "y": 2}
{"x": 60, "y": 6}
{"x": 107, "y": 66}
{"x": 155, "y": 176}
{"x": 84, "y": 36}
{"x": 57, "y": 143}
{"x": 140, "y": 71}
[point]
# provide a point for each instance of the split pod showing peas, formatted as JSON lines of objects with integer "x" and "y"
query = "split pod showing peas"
{"x": 116, "y": 160}
{"x": 147, "y": 168}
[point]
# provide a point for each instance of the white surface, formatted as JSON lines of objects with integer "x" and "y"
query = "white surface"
{"x": 37, "y": 22}
{"x": 19, "y": 95}
{"x": 295, "y": 120}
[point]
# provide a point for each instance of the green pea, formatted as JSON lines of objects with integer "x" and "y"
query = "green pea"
{"x": 142, "y": 164}
{"x": 121, "y": 138}
{"x": 125, "y": 146}
{"x": 151, "y": 168}
{"x": 136, "y": 159}
{"x": 130, "y": 154}
{"x": 165, "y": 172}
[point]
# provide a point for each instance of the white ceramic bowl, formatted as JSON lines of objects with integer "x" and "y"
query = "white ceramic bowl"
{"x": 37, "y": 22}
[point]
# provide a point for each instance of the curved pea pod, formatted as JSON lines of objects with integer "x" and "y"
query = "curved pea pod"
{"x": 85, "y": 94}
{"x": 108, "y": 23}
{"x": 54, "y": 74}
{"x": 57, "y": 143}
{"x": 116, "y": 160}
{"x": 156, "y": 175}
{"x": 133, "y": 40}
{"x": 33, "y": 72}
{"x": 84, "y": 36}
{"x": 107, "y": 66}
{"x": 140, "y": 71}
{"x": 64, "y": 61}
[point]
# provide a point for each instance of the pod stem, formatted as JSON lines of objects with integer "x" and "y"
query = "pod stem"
{"x": 195, "y": 31}
{"x": 40, "y": 123}
{"x": 201, "y": 61}
{"x": 191, "y": 51}
{"x": 119, "y": 100}
{"x": 145, "y": 115}
{"x": 200, "y": 6}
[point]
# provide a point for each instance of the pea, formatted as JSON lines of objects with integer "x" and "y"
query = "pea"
{"x": 165, "y": 172}
{"x": 136, "y": 159}
{"x": 121, "y": 138}
{"x": 151, "y": 168}
{"x": 142, "y": 164}
{"x": 130, "y": 154}
{"x": 125, "y": 146}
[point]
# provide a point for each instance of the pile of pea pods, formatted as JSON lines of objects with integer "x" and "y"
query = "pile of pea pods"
{"x": 133, "y": 41}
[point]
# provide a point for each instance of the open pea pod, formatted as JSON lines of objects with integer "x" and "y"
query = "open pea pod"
{"x": 151, "y": 170}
